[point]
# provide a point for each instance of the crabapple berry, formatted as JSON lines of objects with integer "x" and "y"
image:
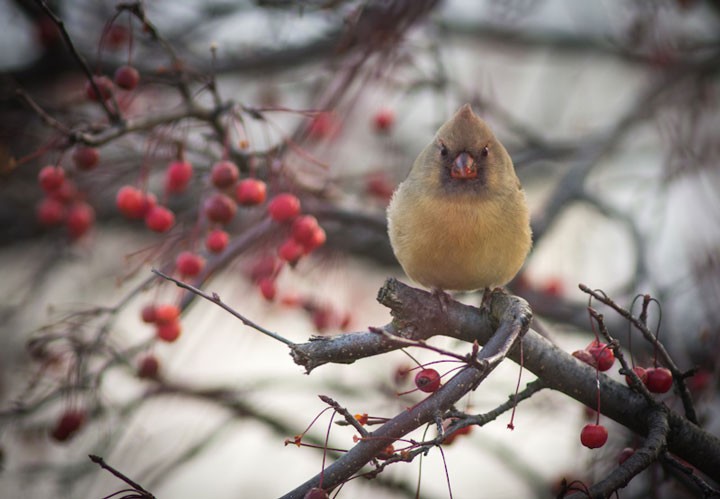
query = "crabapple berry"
{"x": 217, "y": 240}
{"x": 166, "y": 313}
{"x": 131, "y": 202}
{"x": 250, "y": 192}
{"x": 149, "y": 314}
{"x": 318, "y": 239}
{"x": 265, "y": 266}
{"x": 659, "y": 379}
{"x": 284, "y": 207}
{"x": 224, "y": 174}
{"x": 177, "y": 176}
{"x": 159, "y": 219}
{"x": 290, "y": 251}
{"x": 148, "y": 367}
{"x": 593, "y": 436}
{"x": 169, "y": 331}
{"x": 324, "y": 125}
{"x": 50, "y": 212}
{"x": 303, "y": 229}
{"x": 85, "y": 158}
{"x": 427, "y": 380}
{"x": 126, "y": 77}
{"x": 553, "y": 287}
{"x": 378, "y": 185}
{"x": 189, "y": 264}
{"x": 104, "y": 85}
{"x": 604, "y": 356}
{"x": 641, "y": 373}
{"x": 267, "y": 288}
{"x": 51, "y": 178}
{"x": 220, "y": 208}
{"x": 69, "y": 423}
{"x": 80, "y": 217}
{"x": 383, "y": 120}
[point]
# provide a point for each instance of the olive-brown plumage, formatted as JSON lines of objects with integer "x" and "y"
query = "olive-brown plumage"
{"x": 460, "y": 220}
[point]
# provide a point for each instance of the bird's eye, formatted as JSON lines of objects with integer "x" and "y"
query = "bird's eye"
{"x": 485, "y": 151}
{"x": 443, "y": 150}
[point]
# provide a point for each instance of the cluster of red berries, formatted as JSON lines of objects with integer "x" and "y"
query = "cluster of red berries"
{"x": 102, "y": 88}
{"x": 63, "y": 203}
{"x": 656, "y": 379}
{"x": 166, "y": 318}
{"x": 596, "y": 354}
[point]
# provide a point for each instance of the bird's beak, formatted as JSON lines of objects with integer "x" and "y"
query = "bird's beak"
{"x": 464, "y": 167}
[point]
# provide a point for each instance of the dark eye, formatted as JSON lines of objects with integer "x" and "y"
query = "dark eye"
{"x": 443, "y": 150}
{"x": 485, "y": 152}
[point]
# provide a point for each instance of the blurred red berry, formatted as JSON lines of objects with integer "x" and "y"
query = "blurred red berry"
{"x": 103, "y": 84}
{"x": 177, "y": 176}
{"x": 427, "y": 380}
{"x": 266, "y": 265}
{"x": 553, "y": 287}
{"x": 324, "y": 125}
{"x": 318, "y": 239}
{"x": 68, "y": 425}
{"x": 126, "y": 77}
{"x": 51, "y": 178}
{"x": 168, "y": 331}
{"x": 148, "y": 367}
{"x": 659, "y": 379}
{"x": 224, "y": 174}
{"x": 50, "y": 212}
{"x": 116, "y": 36}
{"x": 159, "y": 219}
{"x": 217, "y": 240}
{"x": 189, "y": 264}
{"x": 465, "y": 430}
{"x": 316, "y": 493}
{"x": 383, "y": 120}
{"x": 85, "y": 158}
{"x": 593, "y": 436}
{"x": 166, "y": 313}
{"x": 220, "y": 208}
{"x": 323, "y": 318}
{"x": 131, "y": 202}
{"x": 303, "y": 229}
{"x": 250, "y": 192}
{"x": 267, "y": 288}
{"x": 284, "y": 207}
{"x": 290, "y": 251}
{"x": 149, "y": 314}
{"x": 379, "y": 186}
{"x": 80, "y": 218}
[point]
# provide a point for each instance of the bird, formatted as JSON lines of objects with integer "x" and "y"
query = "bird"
{"x": 460, "y": 220}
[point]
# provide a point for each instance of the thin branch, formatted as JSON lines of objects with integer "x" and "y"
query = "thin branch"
{"x": 101, "y": 462}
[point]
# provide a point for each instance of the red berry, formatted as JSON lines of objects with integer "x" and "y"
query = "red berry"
{"x": 318, "y": 239}
{"x": 148, "y": 367}
{"x": 166, "y": 313}
{"x": 126, "y": 77}
{"x": 593, "y": 436}
{"x": 553, "y": 287}
{"x": 265, "y": 266}
{"x": 460, "y": 431}
{"x": 625, "y": 454}
{"x": 220, "y": 208}
{"x": 159, "y": 219}
{"x": 50, "y": 212}
{"x": 323, "y": 318}
{"x": 85, "y": 158}
{"x": 177, "y": 176}
{"x": 659, "y": 379}
{"x": 641, "y": 373}
{"x": 217, "y": 240}
{"x": 324, "y": 126}
{"x": 189, "y": 264}
{"x": 284, "y": 207}
{"x": 303, "y": 229}
{"x": 379, "y": 186}
{"x": 51, "y": 178}
{"x": 603, "y": 355}
{"x": 68, "y": 424}
{"x": 383, "y": 120}
{"x": 104, "y": 85}
{"x": 168, "y": 331}
{"x": 250, "y": 192}
{"x": 65, "y": 193}
{"x": 586, "y": 357}
{"x": 427, "y": 380}
{"x": 290, "y": 251}
{"x": 131, "y": 202}
{"x": 149, "y": 314}
{"x": 116, "y": 36}
{"x": 316, "y": 493}
{"x": 80, "y": 218}
{"x": 267, "y": 288}
{"x": 224, "y": 174}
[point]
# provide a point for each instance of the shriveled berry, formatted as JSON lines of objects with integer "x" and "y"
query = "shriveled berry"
{"x": 85, "y": 158}
{"x": 290, "y": 251}
{"x": 159, "y": 219}
{"x": 217, "y": 240}
{"x": 427, "y": 380}
{"x": 104, "y": 85}
{"x": 80, "y": 218}
{"x": 51, "y": 178}
{"x": 593, "y": 436}
{"x": 126, "y": 77}
{"x": 177, "y": 176}
{"x": 189, "y": 264}
{"x": 50, "y": 212}
{"x": 148, "y": 367}
{"x": 659, "y": 379}
{"x": 220, "y": 208}
{"x": 169, "y": 331}
{"x": 284, "y": 207}
{"x": 68, "y": 425}
{"x": 250, "y": 192}
{"x": 224, "y": 174}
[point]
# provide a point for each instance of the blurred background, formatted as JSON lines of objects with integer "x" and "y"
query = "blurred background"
{"x": 609, "y": 110}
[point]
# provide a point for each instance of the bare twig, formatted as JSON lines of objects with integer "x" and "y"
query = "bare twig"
{"x": 101, "y": 462}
